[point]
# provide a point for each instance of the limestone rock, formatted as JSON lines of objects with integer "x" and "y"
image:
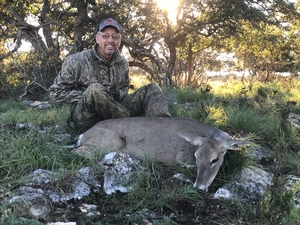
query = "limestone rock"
{"x": 249, "y": 185}
{"x": 34, "y": 206}
{"x": 119, "y": 168}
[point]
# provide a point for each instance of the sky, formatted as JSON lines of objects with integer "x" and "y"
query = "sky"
{"x": 170, "y": 6}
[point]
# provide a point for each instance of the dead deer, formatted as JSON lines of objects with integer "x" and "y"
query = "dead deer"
{"x": 164, "y": 139}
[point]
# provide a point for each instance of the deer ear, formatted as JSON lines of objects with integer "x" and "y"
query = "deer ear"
{"x": 232, "y": 144}
{"x": 192, "y": 139}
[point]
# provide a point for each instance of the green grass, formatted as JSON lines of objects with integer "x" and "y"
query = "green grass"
{"x": 14, "y": 112}
{"x": 256, "y": 112}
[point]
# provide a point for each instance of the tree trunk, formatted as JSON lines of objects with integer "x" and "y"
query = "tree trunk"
{"x": 173, "y": 54}
{"x": 190, "y": 64}
{"x": 78, "y": 24}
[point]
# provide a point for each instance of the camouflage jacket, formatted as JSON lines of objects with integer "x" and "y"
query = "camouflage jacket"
{"x": 78, "y": 72}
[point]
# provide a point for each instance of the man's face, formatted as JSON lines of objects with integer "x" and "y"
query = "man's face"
{"x": 108, "y": 41}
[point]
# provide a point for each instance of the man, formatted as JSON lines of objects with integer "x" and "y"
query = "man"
{"x": 95, "y": 82}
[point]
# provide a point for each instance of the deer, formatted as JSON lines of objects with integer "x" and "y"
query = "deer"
{"x": 169, "y": 140}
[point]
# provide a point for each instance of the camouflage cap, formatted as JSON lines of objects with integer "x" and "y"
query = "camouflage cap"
{"x": 109, "y": 22}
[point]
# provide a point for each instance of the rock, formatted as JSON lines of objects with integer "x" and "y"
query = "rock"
{"x": 89, "y": 210}
{"x": 23, "y": 220}
{"x": 170, "y": 98}
{"x": 119, "y": 168}
{"x": 72, "y": 187}
{"x": 249, "y": 185}
{"x": 62, "y": 223}
{"x": 292, "y": 184}
{"x": 147, "y": 222}
{"x": 58, "y": 133}
{"x": 259, "y": 154}
{"x": 62, "y": 138}
{"x": 294, "y": 119}
{"x": 37, "y": 104}
{"x": 61, "y": 128}
{"x": 223, "y": 193}
{"x": 26, "y": 126}
{"x": 44, "y": 187}
{"x": 41, "y": 176}
{"x": 34, "y": 206}
{"x": 182, "y": 178}
{"x": 77, "y": 190}
{"x": 89, "y": 176}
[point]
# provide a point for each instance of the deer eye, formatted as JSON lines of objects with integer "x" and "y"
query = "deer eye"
{"x": 214, "y": 161}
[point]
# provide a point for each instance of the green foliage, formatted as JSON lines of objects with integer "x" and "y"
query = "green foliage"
{"x": 20, "y": 221}
{"x": 263, "y": 49}
{"x": 191, "y": 95}
{"x": 25, "y": 151}
{"x": 216, "y": 115}
{"x": 245, "y": 119}
{"x": 228, "y": 168}
{"x": 278, "y": 206}
{"x": 13, "y": 112}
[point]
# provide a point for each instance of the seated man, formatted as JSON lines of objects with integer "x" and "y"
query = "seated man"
{"x": 95, "y": 82}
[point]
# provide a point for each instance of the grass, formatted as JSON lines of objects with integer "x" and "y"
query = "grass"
{"x": 253, "y": 111}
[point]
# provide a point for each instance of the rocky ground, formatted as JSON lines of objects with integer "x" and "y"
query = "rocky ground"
{"x": 89, "y": 196}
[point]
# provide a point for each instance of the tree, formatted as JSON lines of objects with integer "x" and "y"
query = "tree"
{"x": 152, "y": 40}
{"x": 216, "y": 23}
{"x": 267, "y": 48}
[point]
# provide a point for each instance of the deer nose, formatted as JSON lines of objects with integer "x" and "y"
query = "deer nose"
{"x": 201, "y": 187}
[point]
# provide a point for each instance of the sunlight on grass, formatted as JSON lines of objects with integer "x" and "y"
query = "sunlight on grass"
{"x": 191, "y": 95}
{"x": 216, "y": 116}
{"x": 245, "y": 119}
{"x": 228, "y": 89}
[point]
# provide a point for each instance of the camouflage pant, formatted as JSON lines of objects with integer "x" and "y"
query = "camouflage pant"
{"x": 97, "y": 104}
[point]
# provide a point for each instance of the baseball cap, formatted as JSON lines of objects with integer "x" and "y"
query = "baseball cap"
{"x": 108, "y": 22}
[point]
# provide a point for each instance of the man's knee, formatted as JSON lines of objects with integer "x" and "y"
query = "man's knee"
{"x": 94, "y": 88}
{"x": 153, "y": 86}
